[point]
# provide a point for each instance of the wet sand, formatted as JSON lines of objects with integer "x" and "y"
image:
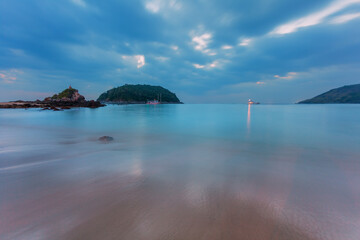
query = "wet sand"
{"x": 163, "y": 197}
{"x": 116, "y": 207}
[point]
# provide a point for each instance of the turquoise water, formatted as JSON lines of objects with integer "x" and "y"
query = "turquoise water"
{"x": 181, "y": 172}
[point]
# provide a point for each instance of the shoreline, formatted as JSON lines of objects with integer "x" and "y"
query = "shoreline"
{"x": 50, "y": 105}
{"x": 128, "y": 103}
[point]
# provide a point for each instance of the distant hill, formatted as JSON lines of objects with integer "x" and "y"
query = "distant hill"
{"x": 345, "y": 94}
{"x": 138, "y": 94}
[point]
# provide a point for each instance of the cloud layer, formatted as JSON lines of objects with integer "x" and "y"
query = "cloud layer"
{"x": 274, "y": 51}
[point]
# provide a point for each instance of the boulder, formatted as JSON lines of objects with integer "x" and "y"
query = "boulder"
{"x": 106, "y": 139}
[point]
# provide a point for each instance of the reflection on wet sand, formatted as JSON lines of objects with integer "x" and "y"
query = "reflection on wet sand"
{"x": 125, "y": 208}
{"x": 161, "y": 212}
{"x": 167, "y": 195}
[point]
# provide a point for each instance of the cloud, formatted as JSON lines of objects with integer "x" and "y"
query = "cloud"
{"x": 65, "y": 43}
{"x": 155, "y": 6}
{"x": 314, "y": 18}
{"x": 80, "y": 3}
{"x": 260, "y": 83}
{"x": 17, "y": 52}
{"x": 345, "y": 18}
{"x": 226, "y": 47}
{"x": 289, "y": 75}
{"x": 198, "y": 66}
{"x": 139, "y": 60}
{"x": 214, "y": 64}
{"x": 9, "y": 76}
{"x": 245, "y": 42}
{"x": 174, "y": 47}
{"x": 201, "y": 42}
{"x": 162, "y": 58}
{"x": 85, "y": 53}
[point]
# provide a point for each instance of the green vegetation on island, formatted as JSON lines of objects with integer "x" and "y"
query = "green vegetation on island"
{"x": 138, "y": 94}
{"x": 345, "y": 94}
{"x": 69, "y": 93}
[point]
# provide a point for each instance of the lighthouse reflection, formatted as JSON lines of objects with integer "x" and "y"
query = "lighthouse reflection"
{"x": 249, "y": 117}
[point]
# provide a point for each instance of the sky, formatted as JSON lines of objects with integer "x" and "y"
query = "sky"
{"x": 206, "y": 51}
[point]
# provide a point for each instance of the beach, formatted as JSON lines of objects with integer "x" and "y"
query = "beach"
{"x": 187, "y": 171}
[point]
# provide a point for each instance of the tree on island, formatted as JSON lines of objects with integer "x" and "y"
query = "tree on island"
{"x": 138, "y": 94}
{"x": 69, "y": 94}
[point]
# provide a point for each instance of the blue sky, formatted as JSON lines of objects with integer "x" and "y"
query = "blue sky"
{"x": 206, "y": 51}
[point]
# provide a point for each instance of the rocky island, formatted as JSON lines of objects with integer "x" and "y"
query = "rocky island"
{"x": 345, "y": 94}
{"x": 138, "y": 94}
{"x": 69, "y": 98}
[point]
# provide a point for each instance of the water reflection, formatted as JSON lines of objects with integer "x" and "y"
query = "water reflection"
{"x": 137, "y": 168}
{"x": 248, "y": 117}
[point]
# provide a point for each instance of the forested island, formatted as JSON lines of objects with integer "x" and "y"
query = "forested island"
{"x": 345, "y": 94}
{"x": 138, "y": 94}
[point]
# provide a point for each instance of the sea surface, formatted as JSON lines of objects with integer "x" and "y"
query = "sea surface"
{"x": 181, "y": 172}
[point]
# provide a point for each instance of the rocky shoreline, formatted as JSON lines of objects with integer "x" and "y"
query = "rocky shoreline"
{"x": 51, "y": 105}
{"x": 67, "y": 99}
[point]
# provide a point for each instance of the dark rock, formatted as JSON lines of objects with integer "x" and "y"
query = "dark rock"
{"x": 106, "y": 139}
{"x": 67, "y": 99}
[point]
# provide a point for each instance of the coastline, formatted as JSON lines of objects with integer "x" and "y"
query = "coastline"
{"x": 135, "y": 102}
{"x": 50, "y": 105}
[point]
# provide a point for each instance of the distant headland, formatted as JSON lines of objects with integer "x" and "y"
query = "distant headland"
{"x": 345, "y": 94}
{"x": 138, "y": 94}
{"x": 69, "y": 98}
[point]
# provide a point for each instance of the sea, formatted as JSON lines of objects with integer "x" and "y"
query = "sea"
{"x": 182, "y": 171}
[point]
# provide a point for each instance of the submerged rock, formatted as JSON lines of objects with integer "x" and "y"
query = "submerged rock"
{"x": 106, "y": 139}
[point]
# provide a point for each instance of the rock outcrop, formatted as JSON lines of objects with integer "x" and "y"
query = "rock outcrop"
{"x": 67, "y": 99}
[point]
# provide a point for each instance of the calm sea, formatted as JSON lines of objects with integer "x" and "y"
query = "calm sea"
{"x": 181, "y": 172}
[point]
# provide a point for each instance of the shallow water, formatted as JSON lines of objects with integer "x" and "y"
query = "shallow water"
{"x": 181, "y": 172}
